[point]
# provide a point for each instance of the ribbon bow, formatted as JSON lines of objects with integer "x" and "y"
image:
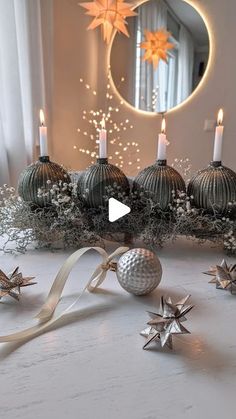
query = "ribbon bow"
{"x": 46, "y": 315}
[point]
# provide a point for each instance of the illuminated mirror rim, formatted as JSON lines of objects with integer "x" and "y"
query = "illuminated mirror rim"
{"x": 199, "y": 86}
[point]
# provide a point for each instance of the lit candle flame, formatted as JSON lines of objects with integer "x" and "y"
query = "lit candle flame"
{"x": 163, "y": 126}
{"x": 220, "y": 117}
{"x": 41, "y": 117}
{"x": 103, "y": 123}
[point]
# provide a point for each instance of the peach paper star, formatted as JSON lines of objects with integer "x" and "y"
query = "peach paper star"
{"x": 156, "y": 45}
{"x": 110, "y": 14}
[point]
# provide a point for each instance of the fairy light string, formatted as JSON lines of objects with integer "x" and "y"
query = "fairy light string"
{"x": 122, "y": 152}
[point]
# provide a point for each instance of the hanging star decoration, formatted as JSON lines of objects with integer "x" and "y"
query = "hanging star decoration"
{"x": 167, "y": 322}
{"x": 11, "y": 285}
{"x": 224, "y": 276}
{"x": 157, "y": 46}
{"x": 110, "y": 14}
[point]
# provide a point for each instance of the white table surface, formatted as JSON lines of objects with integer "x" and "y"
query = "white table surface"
{"x": 93, "y": 365}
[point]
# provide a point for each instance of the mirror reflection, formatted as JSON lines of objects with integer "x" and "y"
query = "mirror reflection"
{"x": 164, "y": 59}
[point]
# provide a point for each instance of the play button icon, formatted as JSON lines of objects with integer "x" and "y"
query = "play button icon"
{"x": 116, "y": 209}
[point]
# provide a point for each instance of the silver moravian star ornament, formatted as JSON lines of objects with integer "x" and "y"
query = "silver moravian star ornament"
{"x": 224, "y": 276}
{"x": 167, "y": 322}
{"x": 11, "y": 284}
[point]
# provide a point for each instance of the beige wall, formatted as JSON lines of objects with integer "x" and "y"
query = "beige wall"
{"x": 80, "y": 53}
{"x": 75, "y": 56}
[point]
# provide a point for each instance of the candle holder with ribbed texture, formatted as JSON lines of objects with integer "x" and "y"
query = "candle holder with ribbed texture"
{"x": 160, "y": 182}
{"x": 213, "y": 189}
{"x": 41, "y": 175}
{"x": 96, "y": 181}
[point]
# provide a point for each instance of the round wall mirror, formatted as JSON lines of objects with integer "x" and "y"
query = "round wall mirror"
{"x": 160, "y": 85}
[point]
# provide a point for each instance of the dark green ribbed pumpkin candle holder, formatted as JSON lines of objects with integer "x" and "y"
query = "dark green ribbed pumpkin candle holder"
{"x": 36, "y": 176}
{"x": 100, "y": 181}
{"x": 158, "y": 183}
{"x": 214, "y": 189}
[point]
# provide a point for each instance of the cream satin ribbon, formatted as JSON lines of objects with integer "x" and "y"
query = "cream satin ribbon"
{"x": 46, "y": 315}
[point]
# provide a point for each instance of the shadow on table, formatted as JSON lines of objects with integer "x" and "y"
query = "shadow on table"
{"x": 198, "y": 355}
{"x": 26, "y": 304}
{"x": 203, "y": 357}
{"x": 197, "y": 352}
{"x": 153, "y": 299}
{"x": 85, "y": 313}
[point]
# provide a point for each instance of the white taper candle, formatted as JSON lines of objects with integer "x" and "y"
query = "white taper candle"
{"x": 217, "y": 155}
{"x": 43, "y": 136}
{"x": 103, "y": 141}
{"x": 162, "y": 142}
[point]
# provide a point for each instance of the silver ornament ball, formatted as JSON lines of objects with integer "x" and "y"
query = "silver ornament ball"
{"x": 139, "y": 271}
{"x": 214, "y": 188}
{"x": 158, "y": 182}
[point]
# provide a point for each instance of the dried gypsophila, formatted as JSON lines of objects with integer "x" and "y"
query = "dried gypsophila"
{"x": 68, "y": 224}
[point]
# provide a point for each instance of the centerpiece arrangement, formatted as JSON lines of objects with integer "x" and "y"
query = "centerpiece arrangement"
{"x": 53, "y": 211}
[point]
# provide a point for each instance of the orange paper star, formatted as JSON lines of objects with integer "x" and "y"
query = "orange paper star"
{"x": 111, "y": 14}
{"x": 156, "y": 45}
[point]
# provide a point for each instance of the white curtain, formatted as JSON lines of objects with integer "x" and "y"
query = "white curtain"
{"x": 22, "y": 87}
{"x": 152, "y": 16}
{"x": 185, "y": 65}
{"x": 172, "y": 78}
